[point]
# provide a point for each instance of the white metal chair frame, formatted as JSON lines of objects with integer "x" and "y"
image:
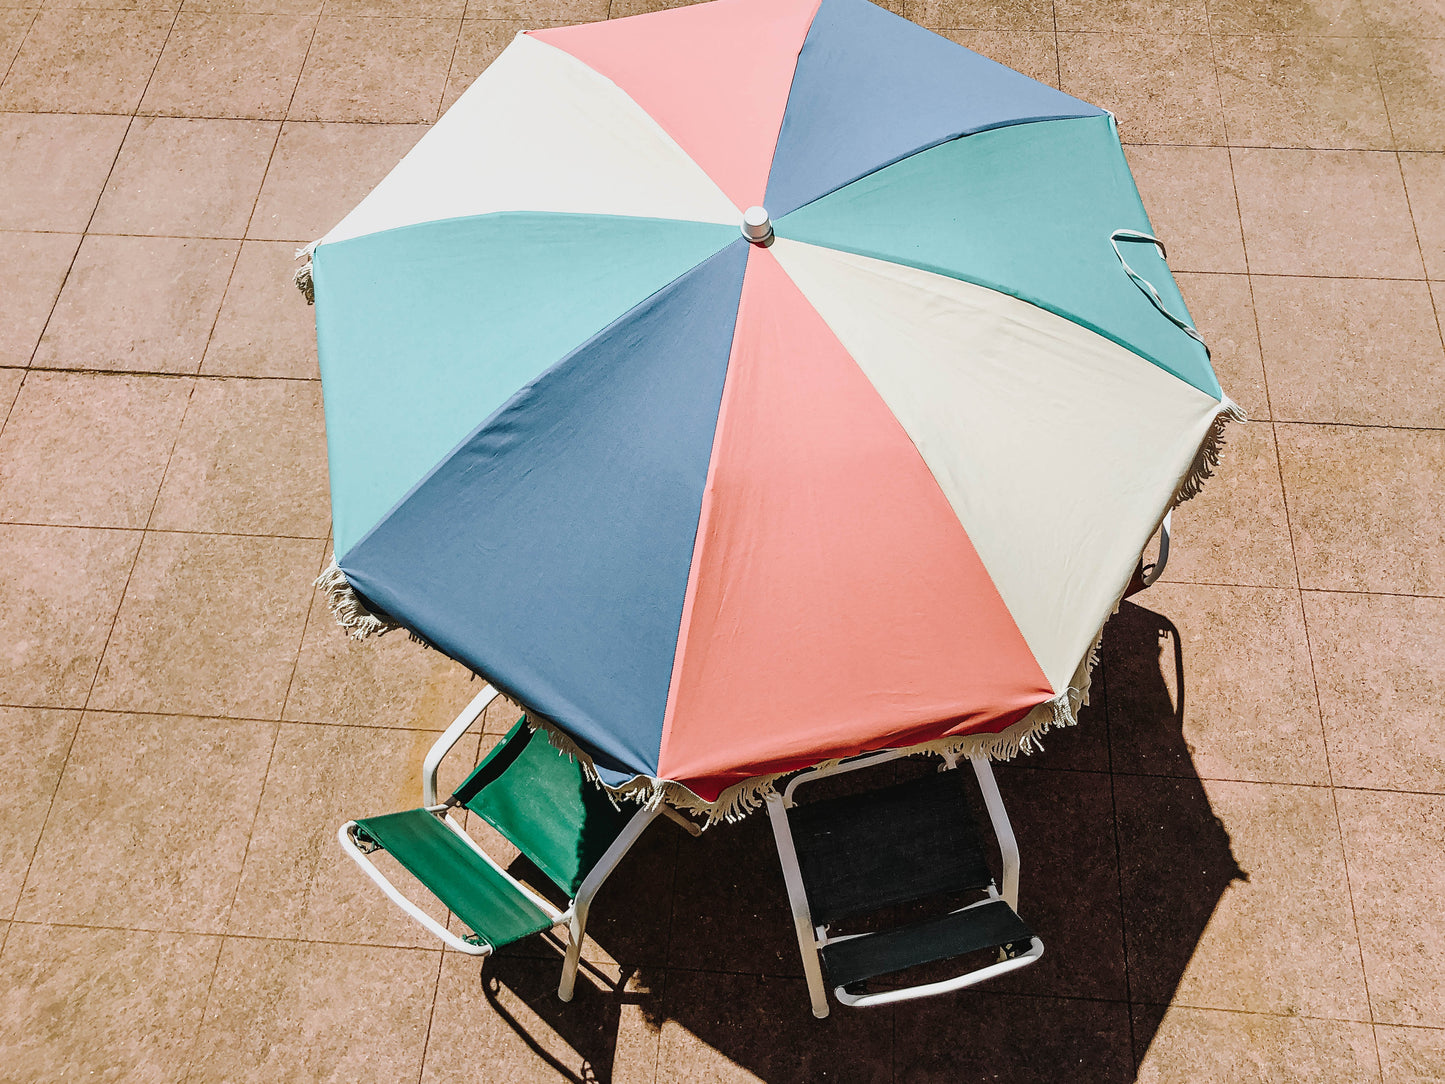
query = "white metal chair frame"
{"x": 811, "y": 938}
{"x": 574, "y": 916}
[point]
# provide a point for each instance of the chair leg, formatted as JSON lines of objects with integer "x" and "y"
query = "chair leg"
{"x": 802, "y": 920}
{"x": 575, "y": 931}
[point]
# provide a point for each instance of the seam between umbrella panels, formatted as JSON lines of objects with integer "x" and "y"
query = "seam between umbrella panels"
{"x": 999, "y": 287}
{"x": 347, "y": 606}
{"x": 938, "y": 143}
{"x": 1024, "y": 736}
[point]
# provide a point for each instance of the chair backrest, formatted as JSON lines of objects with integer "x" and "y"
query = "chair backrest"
{"x": 901, "y": 843}
{"x": 540, "y": 800}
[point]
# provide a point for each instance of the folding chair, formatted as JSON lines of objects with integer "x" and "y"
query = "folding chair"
{"x": 540, "y": 801}
{"x": 911, "y": 842}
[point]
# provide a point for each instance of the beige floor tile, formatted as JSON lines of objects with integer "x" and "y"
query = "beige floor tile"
{"x": 210, "y": 626}
{"x": 1311, "y": 17}
{"x": 229, "y": 65}
{"x": 1281, "y": 939}
{"x": 1380, "y": 664}
{"x": 280, "y": 1010}
{"x": 508, "y": 1008}
{"x": 265, "y": 327}
{"x": 1157, "y": 16}
{"x": 1161, "y": 86}
{"x": 1189, "y": 194}
{"x": 1325, "y": 213}
{"x": 369, "y": 69}
{"x": 1032, "y": 52}
{"x": 85, "y": 61}
{"x": 297, "y": 881}
{"x": 254, "y": 7}
{"x": 731, "y": 1029}
{"x": 1364, "y": 507}
{"x": 1425, "y": 181}
{"x": 481, "y": 42}
{"x": 987, "y": 15}
{"x": 986, "y": 1036}
{"x": 1411, "y": 1055}
{"x": 1247, "y": 709}
{"x": 180, "y": 177}
{"x": 251, "y": 459}
{"x": 88, "y": 450}
{"x": 1063, "y": 821}
{"x": 550, "y": 11}
{"x": 1359, "y": 351}
{"x": 321, "y": 171}
{"x": 400, "y": 9}
{"x": 10, "y": 381}
{"x": 52, "y": 168}
{"x": 1402, "y": 18}
{"x": 113, "y": 1005}
{"x": 622, "y": 9}
{"x": 59, "y": 593}
{"x": 14, "y": 24}
{"x": 157, "y": 810}
{"x": 1205, "y": 1046}
{"x": 33, "y": 747}
{"x": 1397, "y": 882}
{"x": 32, "y": 268}
{"x": 1301, "y": 92}
{"x": 115, "y": 5}
{"x": 139, "y": 304}
{"x": 730, "y": 904}
{"x": 1236, "y": 531}
{"x": 1412, "y": 73}
{"x": 383, "y": 681}
{"x": 1223, "y": 311}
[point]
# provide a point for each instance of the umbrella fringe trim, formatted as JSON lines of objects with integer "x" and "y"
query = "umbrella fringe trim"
{"x": 740, "y": 799}
{"x": 1206, "y": 460}
{"x": 302, "y": 277}
{"x": 346, "y": 606}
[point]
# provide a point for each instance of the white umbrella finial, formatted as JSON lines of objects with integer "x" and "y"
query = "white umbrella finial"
{"x": 757, "y": 226}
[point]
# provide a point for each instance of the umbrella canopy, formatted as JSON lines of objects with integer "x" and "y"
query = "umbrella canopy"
{"x": 719, "y": 492}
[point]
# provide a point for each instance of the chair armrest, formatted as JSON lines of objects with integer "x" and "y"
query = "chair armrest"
{"x": 346, "y": 836}
{"x": 470, "y": 714}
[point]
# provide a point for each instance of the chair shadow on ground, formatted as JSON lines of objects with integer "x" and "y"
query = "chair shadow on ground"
{"x": 701, "y": 944}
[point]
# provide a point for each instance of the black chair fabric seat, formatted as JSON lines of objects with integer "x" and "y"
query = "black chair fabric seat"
{"x": 989, "y": 925}
{"x": 905, "y": 842}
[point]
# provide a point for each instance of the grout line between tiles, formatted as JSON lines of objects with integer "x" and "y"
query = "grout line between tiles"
{"x": 167, "y": 530}
{"x": 1119, "y": 873}
{"x": 431, "y": 1014}
{"x": 100, "y": 194}
{"x": 1324, "y": 737}
{"x": 10, "y": 64}
{"x": 120, "y": 601}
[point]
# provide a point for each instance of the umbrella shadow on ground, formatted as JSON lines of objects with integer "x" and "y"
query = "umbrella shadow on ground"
{"x": 1123, "y": 866}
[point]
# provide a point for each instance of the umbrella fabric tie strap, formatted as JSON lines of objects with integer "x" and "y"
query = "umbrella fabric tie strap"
{"x": 1147, "y": 287}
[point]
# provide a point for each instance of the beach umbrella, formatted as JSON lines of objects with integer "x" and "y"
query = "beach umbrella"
{"x": 753, "y": 384}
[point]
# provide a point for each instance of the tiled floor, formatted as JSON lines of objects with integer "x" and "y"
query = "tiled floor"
{"x": 1237, "y": 860}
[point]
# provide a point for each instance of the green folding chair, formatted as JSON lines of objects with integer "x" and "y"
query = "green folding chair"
{"x": 540, "y": 801}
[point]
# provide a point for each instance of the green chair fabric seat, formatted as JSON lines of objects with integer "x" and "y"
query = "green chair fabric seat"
{"x": 469, "y": 885}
